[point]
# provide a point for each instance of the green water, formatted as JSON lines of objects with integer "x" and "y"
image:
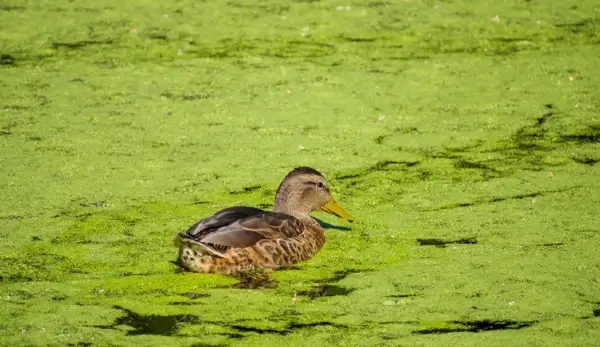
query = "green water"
{"x": 462, "y": 135}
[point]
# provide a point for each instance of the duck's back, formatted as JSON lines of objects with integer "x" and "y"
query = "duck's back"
{"x": 241, "y": 227}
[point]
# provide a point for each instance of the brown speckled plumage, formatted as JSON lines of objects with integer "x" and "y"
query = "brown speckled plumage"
{"x": 244, "y": 238}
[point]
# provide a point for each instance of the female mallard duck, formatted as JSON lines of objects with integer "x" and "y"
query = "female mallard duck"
{"x": 243, "y": 238}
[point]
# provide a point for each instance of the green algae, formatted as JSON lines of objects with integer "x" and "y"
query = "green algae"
{"x": 463, "y": 137}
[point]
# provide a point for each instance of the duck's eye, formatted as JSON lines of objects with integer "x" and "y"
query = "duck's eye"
{"x": 316, "y": 184}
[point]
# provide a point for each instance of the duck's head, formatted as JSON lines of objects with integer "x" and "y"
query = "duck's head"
{"x": 304, "y": 190}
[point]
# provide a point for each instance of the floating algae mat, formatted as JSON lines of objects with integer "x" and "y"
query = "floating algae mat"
{"x": 464, "y": 138}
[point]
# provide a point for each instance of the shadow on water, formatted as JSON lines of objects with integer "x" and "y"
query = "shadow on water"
{"x": 164, "y": 325}
{"x": 242, "y": 331}
{"x": 590, "y": 135}
{"x": 596, "y": 311}
{"x": 341, "y": 274}
{"x": 193, "y": 296}
{"x": 586, "y": 160}
{"x": 504, "y": 198}
{"x": 185, "y": 303}
{"x": 192, "y": 301}
{"x": 443, "y": 243}
{"x": 326, "y": 225}
{"x": 246, "y": 190}
{"x": 477, "y": 326}
{"x": 324, "y": 286}
{"x": 288, "y": 329}
{"x": 355, "y": 176}
{"x": 254, "y": 279}
{"x": 401, "y": 296}
{"x": 325, "y": 290}
{"x": 169, "y": 325}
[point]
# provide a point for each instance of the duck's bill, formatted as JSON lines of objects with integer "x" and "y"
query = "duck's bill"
{"x": 332, "y": 207}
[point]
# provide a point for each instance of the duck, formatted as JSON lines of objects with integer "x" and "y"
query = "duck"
{"x": 242, "y": 238}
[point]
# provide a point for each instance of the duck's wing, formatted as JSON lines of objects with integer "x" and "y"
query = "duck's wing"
{"x": 247, "y": 231}
{"x": 220, "y": 219}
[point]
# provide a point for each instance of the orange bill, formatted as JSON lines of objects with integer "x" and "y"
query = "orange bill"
{"x": 332, "y": 207}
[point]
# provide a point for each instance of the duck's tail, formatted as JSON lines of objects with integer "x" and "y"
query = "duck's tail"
{"x": 198, "y": 256}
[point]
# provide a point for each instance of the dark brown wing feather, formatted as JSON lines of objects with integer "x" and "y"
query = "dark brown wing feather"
{"x": 241, "y": 227}
{"x": 222, "y": 218}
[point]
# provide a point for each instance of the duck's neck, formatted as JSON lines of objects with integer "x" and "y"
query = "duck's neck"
{"x": 291, "y": 210}
{"x": 313, "y": 237}
{"x": 289, "y": 202}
